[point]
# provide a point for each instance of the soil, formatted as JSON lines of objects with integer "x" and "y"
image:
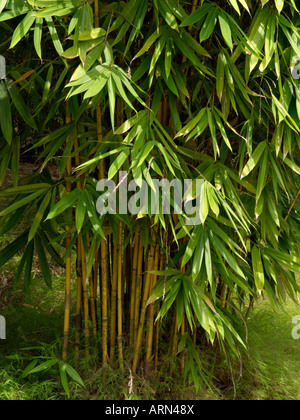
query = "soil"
{"x": 26, "y": 169}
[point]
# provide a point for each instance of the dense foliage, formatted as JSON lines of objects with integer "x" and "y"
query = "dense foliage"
{"x": 159, "y": 89}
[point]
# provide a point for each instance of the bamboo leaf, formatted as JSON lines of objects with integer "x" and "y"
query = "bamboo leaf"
{"x": 258, "y": 269}
{"x": 38, "y": 36}
{"x": 5, "y": 114}
{"x": 209, "y": 24}
{"x": 117, "y": 164}
{"x": 43, "y": 261}
{"x": 64, "y": 204}
{"x": 20, "y": 105}
{"x": 20, "y": 203}
{"x": 39, "y": 215}
{"x": 13, "y": 248}
{"x": 226, "y": 30}
{"x": 22, "y": 29}
{"x": 255, "y": 158}
{"x": 2, "y": 4}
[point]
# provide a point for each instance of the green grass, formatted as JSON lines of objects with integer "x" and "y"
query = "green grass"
{"x": 270, "y": 370}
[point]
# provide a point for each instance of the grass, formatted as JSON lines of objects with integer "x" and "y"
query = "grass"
{"x": 271, "y": 368}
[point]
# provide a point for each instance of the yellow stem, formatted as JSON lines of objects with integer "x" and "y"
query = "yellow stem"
{"x": 150, "y": 328}
{"x": 86, "y": 317}
{"x": 120, "y": 309}
{"x": 144, "y": 308}
{"x": 68, "y": 263}
{"x": 113, "y": 307}
{"x": 133, "y": 288}
{"x": 138, "y": 290}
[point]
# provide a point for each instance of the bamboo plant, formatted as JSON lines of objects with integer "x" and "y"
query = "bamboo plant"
{"x": 159, "y": 89}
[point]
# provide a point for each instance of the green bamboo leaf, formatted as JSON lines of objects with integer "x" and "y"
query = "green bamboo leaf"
{"x": 235, "y": 5}
{"x": 22, "y": 29}
{"x": 64, "y": 204}
{"x": 167, "y": 14}
{"x": 24, "y": 189}
{"x": 5, "y": 114}
{"x": 292, "y": 165}
{"x": 149, "y": 42}
{"x": 13, "y": 248}
{"x": 10, "y": 14}
{"x": 39, "y": 215}
{"x": 38, "y": 29}
{"x": 20, "y": 203}
{"x": 145, "y": 153}
{"x": 131, "y": 122}
{"x": 63, "y": 378}
{"x": 279, "y": 5}
{"x": 160, "y": 45}
{"x": 28, "y": 266}
{"x": 54, "y": 11}
{"x": 43, "y": 261}
{"x": 191, "y": 245}
{"x": 209, "y": 24}
{"x": 54, "y": 35}
{"x": 21, "y": 106}
{"x": 111, "y": 87}
{"x": 117, "y": 164}
{"x": 263, "y": 174}
{"x": 191, "y": 125}
{"x": 2, "y": 4}
{"x": 80, "y": 213}
{"x": 220, "y": 75}
{"x": 255, "y": 158}
{"x": 226, "y": 30}
{"x": 92, "y": 214}
{"x": 15, "y": 161}
{"x": 74, "y": 375}
{"x": 43, "y": 366}
{"x": 95, "y": 87}
{"x": 258, "y": 269}
{"x": 197, "y": 15}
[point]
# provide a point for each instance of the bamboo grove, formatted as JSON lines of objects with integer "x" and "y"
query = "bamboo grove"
{"x": 161, "y": 89}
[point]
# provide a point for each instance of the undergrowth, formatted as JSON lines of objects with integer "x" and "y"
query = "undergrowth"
{"x": 268, "y": 370}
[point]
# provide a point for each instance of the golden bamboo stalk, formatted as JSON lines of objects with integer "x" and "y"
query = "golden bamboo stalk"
{"x": 104, "y": 282}
{"x": 104, "y": 256}
{"x": 120, "y": 309}
{"x": 96, "y": 7}
{"x": 68, "y": 262}
{"x": 86, "y": 316}
{"x": 161, "y": 267}
{"x": 150, "y": 322}
{"x": 175, "y": 335}
{"x": 183, "y": 354}
{"x": 133, "y": 288}
{"x": 78, "y": 304}
{"x": 144, "y": 303}
{"x": 93, "y": 304}
{"x": 195, "y": 3}
{"x": 113, "y": 306}
{"x": 79, "y": 274}
{"x": 138, "y": 290}
{"x": 195, "y": 330}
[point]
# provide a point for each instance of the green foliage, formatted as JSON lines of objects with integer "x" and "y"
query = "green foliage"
{"x": 206, "y": 93}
